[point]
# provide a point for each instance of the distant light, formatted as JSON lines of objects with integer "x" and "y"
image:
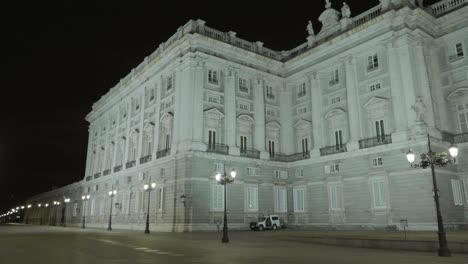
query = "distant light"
{"x": 153, "y": 185}
{"x": 453, "y": 151}
{"x": 410, "y": 156}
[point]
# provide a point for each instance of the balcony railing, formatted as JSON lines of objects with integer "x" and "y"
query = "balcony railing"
{"x": 243, "y": 89}
{"x": 145, "y": 159}
{"x": 333, "y": 150}
{"x": 163, "y": 153}
{"x": 117, "y": 168}
{"x": 130, "y": 164}
{"x": 455, "y": 57}
{"x": 97, "y": 175}
{"x": 218, "y": 148}
{"x": 300, "y": 94}
{"x": 106, "y": 172}
{"x": 460, "y": 138}
{"x": 375, "y": 141}
{"x": 446, "y": 6}
{"x": 88, "y": 178}
{"x": 289, "y": 158}
{"x": 250, "y": 153}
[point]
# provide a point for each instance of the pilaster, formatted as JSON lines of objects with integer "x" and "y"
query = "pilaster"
{"x": 287, "y": 130}
{"x": 230, "y": 111}
{"x": 259, "y": 116}
{"x": 354, "y": 117}
{"x": 315, "y": 92}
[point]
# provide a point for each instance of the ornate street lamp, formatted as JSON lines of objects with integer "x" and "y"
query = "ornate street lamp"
{"x": 148, "y": 187}
{"x": 224, "y": 179}
{"x": 84, "y": 198}
{"x": 432, "y": 159}
{"x": 64, "y": 216}
{"x": 111, "y": 193}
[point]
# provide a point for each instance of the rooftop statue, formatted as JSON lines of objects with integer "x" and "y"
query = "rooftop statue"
{"x": 327, "y": 4}
{"x": 310, "y": 29}
{"x": 345, "y": 11}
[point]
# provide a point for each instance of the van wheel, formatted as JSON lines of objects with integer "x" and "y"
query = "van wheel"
{"x": 260, "y": 228}
{"x": 274, "y": 227}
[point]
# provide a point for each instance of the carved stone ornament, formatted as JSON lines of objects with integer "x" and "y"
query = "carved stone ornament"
{"x": 345, "y": 11}
{"x": 329, "y": 18}
{"x": 310, "y": 29}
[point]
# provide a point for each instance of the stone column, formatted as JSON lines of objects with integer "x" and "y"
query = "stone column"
{"x": 230, "y": 112}
{"x": 354, "y": 106}
{"x": 141, "y": 97}
{"x": 197, "y": 112}
{"x": 397, "y": 92}
{"x": 287, "y": 131}
{"x": 88, "y": 153}
{"x": 316, "y": 110}
{"x": 127, "y": 134}
{"x": 259, "y": 116}
{"x": 158, "y": 92}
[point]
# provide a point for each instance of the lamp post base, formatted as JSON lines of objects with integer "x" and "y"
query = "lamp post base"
{"x": 147, "y": 231}
{"x": 225, "y": 238}
{"x": 444, "y": 251}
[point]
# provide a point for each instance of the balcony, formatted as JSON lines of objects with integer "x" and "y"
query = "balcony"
{"x": 456, "y": 57}
{"x": 375, "y": 141}
{"x": 163, "y": 153}
{"x": 333, "y": 150}
{"x": 243, "y": 89}
{"x": 97, "y": 175}
{"x": 250, "y": 153}
{"x": 270, "y": 96}
{"x": 106, "y": 172}
{"x": 88, "y": 178}
{"x": 460, "y": 138}
{"x": 218, "y": 148}
{"x": 300, "y": 94}
{"x": 117, "y": 168}
{"x": 145, "y": 159}
{"x": 289, "y": 158}
{"x": 130, "y": 164}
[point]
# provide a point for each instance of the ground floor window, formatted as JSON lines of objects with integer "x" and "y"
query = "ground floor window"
{"x": 298, "y": 197}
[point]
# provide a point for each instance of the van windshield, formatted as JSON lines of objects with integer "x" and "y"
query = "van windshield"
{"x": 261, "y": 219}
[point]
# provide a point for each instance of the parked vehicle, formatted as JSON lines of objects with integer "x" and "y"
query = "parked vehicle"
{"x": 266, "y": 222}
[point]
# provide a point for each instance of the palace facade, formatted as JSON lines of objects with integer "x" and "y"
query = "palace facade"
{"x": 318, "y": 134}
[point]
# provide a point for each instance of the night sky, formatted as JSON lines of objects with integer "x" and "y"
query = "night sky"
{"x": 62, "y": 59}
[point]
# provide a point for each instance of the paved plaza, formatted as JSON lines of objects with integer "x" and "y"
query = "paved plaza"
{"x": 43, "y": 244}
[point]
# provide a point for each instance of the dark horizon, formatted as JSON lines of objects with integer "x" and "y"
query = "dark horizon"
{"x": 59, "y": 65}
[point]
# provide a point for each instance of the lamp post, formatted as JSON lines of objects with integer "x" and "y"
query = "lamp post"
{"x": 64, "y": 216}
{"x": 148, "y": 188}
{"x": 111, "y": 193}
{"x": 84, "y": 198}
{"x": 224, "y": 179}
{"x": 431, "y": 159}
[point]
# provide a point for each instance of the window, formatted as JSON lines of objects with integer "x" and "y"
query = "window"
{"x": 252, "y": 198}
{"x": 243, "y": 141}
{"x": 378, "y": 193}
{"x": 456, "y": 52}
{"x": 97, "y": 188}
{"x": 301, "y": 90}
{"x": 302, "y": 110}
{"x": 277, "y": 174}
{"x": 457, "y": 191}
{"x": 270, "y": 112}
{"x": 161, "y": 198}
{"x": 244, "y": 106}
{"x": 212, "y": 99}
{"x": 281, "y": 200}
{"x": 271, "y": 148}
{"x": 335, "y": 99}
{"x": 129, "y": 179}
{"x": 332, "y": 168}
{"x": 151, "y": 94}
{"x": 219, "y": 167}
{"x": 380, "y": 130}
{"x": 213, "y": 77}
{"x": 299, "y": 172}
{"x": 334, "y": 77}
{"x": 75, "y": 207}
{"x": 243, "y": 85}
{"x": 269, "y": 92}
{"x": 298, "y": 197}
{"x": 168, "y": 142}
{"x": 466, "y": 190}
{"x": 375, "y": 86}
{"x": 339, "y": 139}
{"x": 463, "y": 117}
{"x": 211, "y": 139}
{"x": 335, "y": 192}
{"x": 372, "y": 62}
{"x": 251, "y": 171}
{"x": 377, "y": 162}
{"x": 305, "y": 147}
{"x": 161, "y": 172}
{"x": 169, "y": 84}
{"x": 217, "y": 200}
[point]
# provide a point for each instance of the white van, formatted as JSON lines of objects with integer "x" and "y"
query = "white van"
{"x": 266, "y": 222}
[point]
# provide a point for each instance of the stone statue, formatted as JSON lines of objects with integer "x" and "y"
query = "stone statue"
{"x": 345, "y": 11}
{"x": 419, "y": 107}
{"x": 384, "y": 4}
{"x": 310, "y": 29}
{"x": 327, "y": 4}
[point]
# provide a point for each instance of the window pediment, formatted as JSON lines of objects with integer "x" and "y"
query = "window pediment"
{"x": 302, "y": 123}
{"x": 334, "y": 113}
{"x": 214, "y": 112}
{"x": 457, "y": 94}
{"x": 273, "y": 125}
{"x": 376, "y": 102}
